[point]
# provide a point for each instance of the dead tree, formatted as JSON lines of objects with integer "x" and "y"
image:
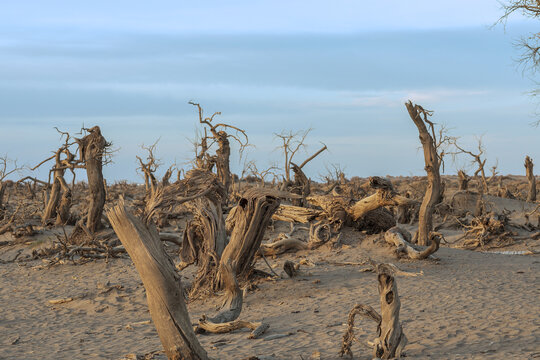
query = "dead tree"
{"x": 463, "y": 180}
{"x": 58, "y": 196}
{"x": 223, "y": 153}
{"x": 480, "y": 173}
{"x": 300, "y": 186}
{"x": 248, "y": 222}
{"x": 149, "y": 168}
{"x": 390, "y": 339}
{"x": 531, "y": 196}
{"x": 5, "y": 171}
{"x": 261, "y": 174}
{"x": 92, "y": 155}
{"x": 400, "y": 238}
{"x": 163, "y": 287}
{"x": 384, "y": 195}
{"x": 433, "y": 156}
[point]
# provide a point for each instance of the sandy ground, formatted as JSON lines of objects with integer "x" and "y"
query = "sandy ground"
{"x": 468, "y": 305}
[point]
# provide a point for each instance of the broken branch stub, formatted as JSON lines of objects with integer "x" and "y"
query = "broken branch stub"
{"x": 163, "y": 287}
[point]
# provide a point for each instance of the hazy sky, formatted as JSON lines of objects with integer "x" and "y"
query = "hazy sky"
{"x": 343, "y": 68}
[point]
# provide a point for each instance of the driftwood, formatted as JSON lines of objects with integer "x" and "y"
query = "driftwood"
{"x": 433, "y": 161}
{"x": 401, "y": 238}
{"x": 390, "y": 339}
{"x": 163, "y": 287}
{"x": 295, "y": 214}
{"x": 531, "y": 195}
{"x": 320, "y": 233}
{"x": 258, "y": 327}
{"x": 383, "y": 196}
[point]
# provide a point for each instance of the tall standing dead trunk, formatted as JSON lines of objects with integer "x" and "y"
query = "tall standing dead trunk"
{"x": 163, "y": 288}
{"x": 92, "y": 149}
{"x": 223, "y": 154}
{"x": 249, "y": 221}
{"x": 531, "y": 196}
{"x": 432, "y": 161}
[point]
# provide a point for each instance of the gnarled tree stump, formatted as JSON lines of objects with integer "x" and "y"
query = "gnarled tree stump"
{"x": 390, "y": 339}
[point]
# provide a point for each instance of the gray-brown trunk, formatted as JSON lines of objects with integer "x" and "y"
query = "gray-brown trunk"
{"x": 163, "y": 287}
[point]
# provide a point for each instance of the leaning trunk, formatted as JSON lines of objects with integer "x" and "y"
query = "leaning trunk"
{"x": 163, "y": 288}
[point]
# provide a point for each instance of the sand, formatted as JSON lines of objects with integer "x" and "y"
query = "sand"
{"x": 467, "y": 305}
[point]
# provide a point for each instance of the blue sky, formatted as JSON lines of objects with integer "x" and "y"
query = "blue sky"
{"x": 343, "y": 68}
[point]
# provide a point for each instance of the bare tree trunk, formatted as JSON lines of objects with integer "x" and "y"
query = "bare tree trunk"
{"x": 432, "y": 161}
{"x": 531, "y": 196}
{"x": 463, "y": 180}
{"x": 163, "y": 287}
{"x": 2, "y": 191}
{"x": 204, "y": 241}
{"x": 53, "y": 200}
{"x": 62, "y": 216}
{"x": 390, "y": 339}
{"x": 301, "y": 186}
{"x": 223, "y": 154}
{"x": 251, "y": 217}
{"x": 92, "y": 148}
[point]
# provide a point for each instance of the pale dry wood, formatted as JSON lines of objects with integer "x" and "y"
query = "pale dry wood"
{"x": 432, "y": 159}
{"x": 531, "y": 195}
{"x": 163, "y": 287}
{"x": 258, "y": 327}
{"x": 252, "y": 216}
{"x": 384, "y": 195}
{"x": 390, "y": 339}
{"x": 296, "y": 214}
{"x": 400, "y": 238}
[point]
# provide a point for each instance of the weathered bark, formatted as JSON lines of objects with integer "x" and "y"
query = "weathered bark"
{"x": 2, "y": 192}
{"x": 62, "y": 216}
{"x": 53, "y": 199}
{"x": 252, "y": 216}
{"x": 204, "y": 241}
{"x": 463, "y": 180}
{"x": 223, "y": 154}
{"x": 432, "y": 161}
{"x": 384, "y": 196}
{"x": 295, "y": 214}
{"x": 163, "y": 287}
{"x": 301, "y": 186}
{"x": 92, "y": 149}
{"x": 531, "y": 196}
{"x": 401, "y": 238}
{"x": 390, "y": 339}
